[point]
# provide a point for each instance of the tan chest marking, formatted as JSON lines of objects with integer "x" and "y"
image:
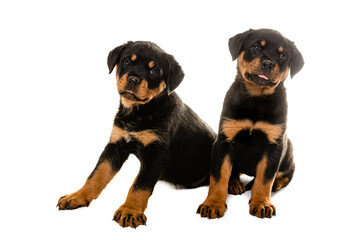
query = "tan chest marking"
{"x": 231, "y": 127}
{"x": 145, "y": 137}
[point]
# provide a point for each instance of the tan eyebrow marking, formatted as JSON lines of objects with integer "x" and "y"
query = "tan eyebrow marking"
{"x": 151, "y": 64}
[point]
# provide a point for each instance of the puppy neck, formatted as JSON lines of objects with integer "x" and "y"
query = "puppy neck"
{"x": 128, "y": 107}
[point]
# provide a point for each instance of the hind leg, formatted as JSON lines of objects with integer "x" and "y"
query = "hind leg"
{"x": 286, "y": 170}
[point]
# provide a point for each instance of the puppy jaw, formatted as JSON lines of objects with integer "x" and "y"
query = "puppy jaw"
{"x": 142, "y": 92}
{"x": 254, "y": 68}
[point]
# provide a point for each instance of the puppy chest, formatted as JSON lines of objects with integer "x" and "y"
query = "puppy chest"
{"x": 247, "y": 130}
{"x": 145, "y": 137}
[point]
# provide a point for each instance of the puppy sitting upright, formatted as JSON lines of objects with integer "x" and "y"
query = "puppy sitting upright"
{"x": 252, "y": 138}
{"x": 170, "y": 140}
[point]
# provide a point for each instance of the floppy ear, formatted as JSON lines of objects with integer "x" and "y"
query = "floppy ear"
{"x": 236, "y": 42}
{"x": 297, "y": 62}
{"x": 114, "y": 56}
{"x": 175, "y": 75}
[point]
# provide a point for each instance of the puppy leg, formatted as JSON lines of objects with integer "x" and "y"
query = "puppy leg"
{"x": 108, "y": 165}
{"x": 215, "y": 204}
{"x": 286, "y": 169}
{"x": 131, "y": 213}
{"x": 260, "y": 204}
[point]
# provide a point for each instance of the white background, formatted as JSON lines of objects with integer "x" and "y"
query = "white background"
{"x": 57, "y": 104}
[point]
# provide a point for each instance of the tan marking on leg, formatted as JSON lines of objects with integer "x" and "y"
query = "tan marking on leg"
{"x": 215, "y": 204}
{"x": 91, "y": 190}
{"x": 131, "y": 213}
{"x": 279, "y": 174}
{"x": 260, "y": 204}
{"x": 280, "y": 181}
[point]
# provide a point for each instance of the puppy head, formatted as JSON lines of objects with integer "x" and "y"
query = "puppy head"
{"x": 143, "y": 72}
{"x": 264, "y": 59}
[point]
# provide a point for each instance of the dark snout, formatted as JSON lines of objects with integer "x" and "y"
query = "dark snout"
{"x": 267, "y": 65}
{"x": 133, "y": 81}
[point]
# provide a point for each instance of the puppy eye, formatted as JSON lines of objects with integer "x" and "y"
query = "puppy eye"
{"x": 256, "y": 48}
{"x": 283, "y": 56}
{"x": 127, "y": 62}
{"x": 154, "y": 72}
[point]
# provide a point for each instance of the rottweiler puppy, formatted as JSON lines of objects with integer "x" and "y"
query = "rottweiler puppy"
{"x": 252, "y": 130}
{"x": 170, "y": 140}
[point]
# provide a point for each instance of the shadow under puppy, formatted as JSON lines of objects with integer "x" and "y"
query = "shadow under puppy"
{"x": 252, "y": 131}
{"x": 170, "y": 140}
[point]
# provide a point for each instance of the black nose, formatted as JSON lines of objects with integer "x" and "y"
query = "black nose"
{"x": 133, "y": 81}
{"x": 267, "y": 65}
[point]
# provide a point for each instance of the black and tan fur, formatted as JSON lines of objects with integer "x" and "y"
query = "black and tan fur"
{"x": 252, "y": 131}
{"x": 170, "y": 140}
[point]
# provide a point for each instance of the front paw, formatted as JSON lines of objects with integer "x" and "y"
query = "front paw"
{"x": 262, "y": 209}
{"x": 73, "y": 201}
{"x": 211, "y": 209}
{"x": 129, "y": 217}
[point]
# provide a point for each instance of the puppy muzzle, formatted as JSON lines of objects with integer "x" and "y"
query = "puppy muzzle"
{"x": 133, "y": 81}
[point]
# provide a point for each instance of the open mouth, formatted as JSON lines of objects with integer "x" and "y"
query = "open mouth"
{"x": 260, "y": 80}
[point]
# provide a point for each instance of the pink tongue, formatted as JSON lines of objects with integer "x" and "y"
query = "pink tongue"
{"x": 263, "y": 76}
